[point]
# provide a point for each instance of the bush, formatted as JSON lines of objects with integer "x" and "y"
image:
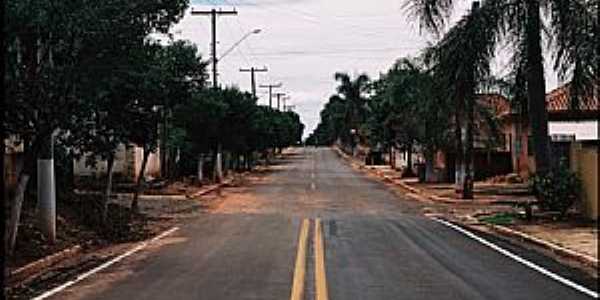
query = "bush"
{"x": 556, "y": 190}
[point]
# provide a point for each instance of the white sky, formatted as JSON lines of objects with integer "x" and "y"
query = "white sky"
{"x": 304, "y": 42}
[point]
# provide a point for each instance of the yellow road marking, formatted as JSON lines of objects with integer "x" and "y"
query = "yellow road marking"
{"x": 320, "y": 275}
{"x": 300, "y": 268}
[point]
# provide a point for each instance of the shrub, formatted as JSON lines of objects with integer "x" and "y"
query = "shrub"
{"x": 556, "y": 190}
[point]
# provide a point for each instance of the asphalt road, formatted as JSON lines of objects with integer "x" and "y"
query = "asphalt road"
{"x": 377, "y": 245}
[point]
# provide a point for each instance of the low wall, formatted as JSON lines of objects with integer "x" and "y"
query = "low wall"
{"x": 584, "y": 161}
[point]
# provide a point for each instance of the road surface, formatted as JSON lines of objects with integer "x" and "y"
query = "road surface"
{"x": 361, "y": 240}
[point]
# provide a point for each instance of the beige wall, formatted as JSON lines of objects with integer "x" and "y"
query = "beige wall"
{"x": 523, "y": 163}
{"x": 584, "y": 161}
{"x": 128, "y": 161}
{"x": 153, "y": 165}
{"x": 122, "y": 156}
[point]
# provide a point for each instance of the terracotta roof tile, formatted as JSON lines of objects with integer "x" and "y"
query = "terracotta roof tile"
{"x": 498, "y": 103}
{"x": 558, "y": 100}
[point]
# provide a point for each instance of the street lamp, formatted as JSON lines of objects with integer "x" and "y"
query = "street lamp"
{"x": 255, "y": 31}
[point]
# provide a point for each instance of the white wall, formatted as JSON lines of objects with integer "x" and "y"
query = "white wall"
{"x": 584, "y": 130}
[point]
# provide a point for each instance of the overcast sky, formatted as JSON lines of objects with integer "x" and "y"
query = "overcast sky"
{"x": 304, "y": 42}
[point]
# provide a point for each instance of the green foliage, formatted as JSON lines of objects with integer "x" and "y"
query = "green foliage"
{"x": 557, "y": 190}
{"x": 404, "y": 109}
{"x": 69, "y": 63}
{"x": 500, "y": 218}
{"x": 345, "y": 111}
{"x": 231, "y": 119}
{"x": 571, "y": 27}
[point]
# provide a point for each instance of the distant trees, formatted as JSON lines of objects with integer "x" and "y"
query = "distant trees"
{"x": 345, "y": 111}
{"x": 229, "y": 120}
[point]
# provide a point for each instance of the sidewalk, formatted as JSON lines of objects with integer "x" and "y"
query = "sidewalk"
{"x": 494, "y": 210}
{"x": 484, "y": 192}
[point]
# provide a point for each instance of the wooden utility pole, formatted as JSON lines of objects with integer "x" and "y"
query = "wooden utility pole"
{"x": 285, "y": 99}
{"x": 278, "y": 95}
{"x": 213, "y": 14}
{"x": 252, "y": 70}
{"x": 270, "y": 87}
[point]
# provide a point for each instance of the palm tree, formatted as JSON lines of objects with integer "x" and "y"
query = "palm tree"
{"x": 574, "y": 26}
{"x": 352, "y": 94}
{"x": 460, "y": 63}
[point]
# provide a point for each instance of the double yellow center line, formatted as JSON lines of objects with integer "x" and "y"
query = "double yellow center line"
{"x": 300, "y": 267}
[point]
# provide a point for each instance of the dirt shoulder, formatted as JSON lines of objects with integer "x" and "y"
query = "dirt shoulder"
{"x": 84, "y": 243}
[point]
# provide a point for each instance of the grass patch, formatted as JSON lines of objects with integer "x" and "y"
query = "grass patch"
{"x": 500, "y": 219}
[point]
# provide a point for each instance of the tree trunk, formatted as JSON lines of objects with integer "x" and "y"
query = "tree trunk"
{"x": 110, "y": 163}
{"x": 140, "y": 182}
{"x": 391, "y": 156}
{"x": 267, "y": 161}
{"x": 226, "y": 163}
{"x": 200, "y": 169}
{"x": 15, "y": 211}
{"x": 459, "y": 159}
{"x": 218, "y": 165}
{"x": 409, "y": 170}
{"x": 248, "y": 160}
{"x": 18, "y": 196}
{"x": 46, "y": 189}
{"x": 536, "y": 88}
{"x": 430, "y": 167}
{"x": 467, "y": 189}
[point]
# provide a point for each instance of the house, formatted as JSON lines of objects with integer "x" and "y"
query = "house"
{"x": 565, "y": 125}
{"x": 491, "y": 146}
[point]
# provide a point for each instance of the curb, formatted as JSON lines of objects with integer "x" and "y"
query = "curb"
{"x": 507, "y": 233}
{"x": 34, "y": 267}
{"x": 411, "y": 189}
{"x": 559, "y": 250}
{"x": 210, "y": 189}
{"x": 80, "y": 277}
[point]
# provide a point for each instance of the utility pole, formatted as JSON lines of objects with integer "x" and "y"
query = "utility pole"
{"x": 252, "y": 70}
{"x": 270, "y": 87}
{"x": 213, "y": 14}
{"x": 278, "y": 95}
{"x": 285, "y": 99}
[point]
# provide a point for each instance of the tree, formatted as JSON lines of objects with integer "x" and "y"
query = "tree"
{"x": 461, "y": 64}
{"x": 204, "y": 111}
{"x": 109, "y": 101}
{"x": 162, "y": 84}
{"x": 352, "y": 94}
{"x": 49, "y": 63}
{"x": 411, "y": 110}
{"x": 519, "y": 23}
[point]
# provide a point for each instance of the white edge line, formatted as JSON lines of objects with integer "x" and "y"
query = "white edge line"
{"x": 521, "y": 260}
{"x": 105, "y": 265}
